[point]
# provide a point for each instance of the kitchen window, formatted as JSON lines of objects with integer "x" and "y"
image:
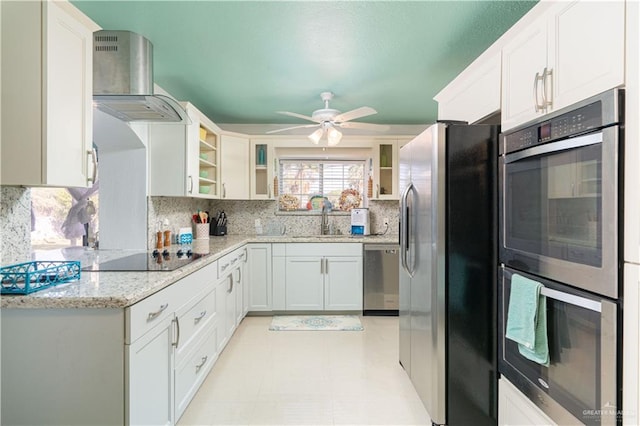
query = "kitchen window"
{"x": 64, "y": 217}
{"x": 305, "y": 184}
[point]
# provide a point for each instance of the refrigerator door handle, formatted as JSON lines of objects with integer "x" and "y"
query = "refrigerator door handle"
{"x": 410, "y": 259}
{"x": 403, "y": 227}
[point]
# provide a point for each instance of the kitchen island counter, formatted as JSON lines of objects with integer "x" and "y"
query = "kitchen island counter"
{"x": 123, "y": 289}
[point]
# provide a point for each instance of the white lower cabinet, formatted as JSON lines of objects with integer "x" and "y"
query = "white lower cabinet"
{"x": 516, "y": 409}
{"x": 304, "y": 279}
{"x": 259, "y": 276}
{"x": 343, "y": 283}
{"x": 244, "y": 279}
{"x": 169, "y": 334}
{"x": 229, "y": 295}
{"x": 279, "y": 276}
{"x": 191, "y": 372}
{"x": 323, "y": 277}
{"x": 140, "y": 365}
{"x": 149, "y": 391}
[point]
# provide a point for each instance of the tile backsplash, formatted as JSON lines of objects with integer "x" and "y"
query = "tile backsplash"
{"x": 15, "y": 218}
{"x": 242, "y": 215}
{"x": 15, "y": 224}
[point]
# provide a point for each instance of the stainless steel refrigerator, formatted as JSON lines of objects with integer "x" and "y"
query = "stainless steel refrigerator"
{"x": 448, "y": 271}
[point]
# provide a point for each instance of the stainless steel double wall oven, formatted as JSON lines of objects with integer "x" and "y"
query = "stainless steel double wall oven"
{"x": 560, "y": 224}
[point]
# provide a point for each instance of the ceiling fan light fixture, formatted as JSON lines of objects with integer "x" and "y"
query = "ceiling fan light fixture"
{"x": 316, "y": 136}
{"x": 333, "y": 136}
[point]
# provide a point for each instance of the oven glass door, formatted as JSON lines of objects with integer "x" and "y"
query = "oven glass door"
{"x": 581, "y": 331}
{"x": 559, "y": 211}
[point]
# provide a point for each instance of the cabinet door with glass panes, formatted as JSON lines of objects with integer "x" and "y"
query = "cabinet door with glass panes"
{"x": 263, "y": 170}
{"x": 310, "y": 184}
{"x": 384, "y": 171}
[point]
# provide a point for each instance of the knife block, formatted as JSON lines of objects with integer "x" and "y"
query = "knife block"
{"x": 219, "y": 230}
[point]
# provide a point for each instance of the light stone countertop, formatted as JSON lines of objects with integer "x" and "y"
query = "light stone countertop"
{"x": 122, "y": 289}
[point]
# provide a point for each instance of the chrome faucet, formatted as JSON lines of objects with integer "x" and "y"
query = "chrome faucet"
{"x": 324, "y": 223}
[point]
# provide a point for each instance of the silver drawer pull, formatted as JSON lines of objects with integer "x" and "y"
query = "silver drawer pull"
{"x": 202, "y": 314}
{"x": 204, "y": 361}
{"x": 234, "y": 260}
{"x": 154, "y": 315}
{"x": 224, "y": 267}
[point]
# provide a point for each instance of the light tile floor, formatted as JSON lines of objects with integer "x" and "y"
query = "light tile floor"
{"x": 308, "y": 378}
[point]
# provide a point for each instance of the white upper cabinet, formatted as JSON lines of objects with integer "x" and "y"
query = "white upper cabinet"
{"x": 573, "y": 51}
{"x": 385, "y": 170}
{"x": 263, "y": 170}
{"x": 586, "y": 49}
{"x": 183, "y": 158}
{"x": 523, "y": 61}
{"x": 47, "y": 89}
{"x": 234, "y": 167}
{"x": 475, "y": 93}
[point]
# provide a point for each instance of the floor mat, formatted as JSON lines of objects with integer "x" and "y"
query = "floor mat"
{"x": 316, "y": 323}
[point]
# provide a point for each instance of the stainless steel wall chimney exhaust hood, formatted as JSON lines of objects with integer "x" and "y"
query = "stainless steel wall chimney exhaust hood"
{"x": 123, "y": 80}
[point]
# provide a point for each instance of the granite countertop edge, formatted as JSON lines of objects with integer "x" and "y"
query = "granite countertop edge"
{"x": 118, "y": 290}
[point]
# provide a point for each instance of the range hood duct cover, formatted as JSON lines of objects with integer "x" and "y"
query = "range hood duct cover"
{"x": 123, "y": 80}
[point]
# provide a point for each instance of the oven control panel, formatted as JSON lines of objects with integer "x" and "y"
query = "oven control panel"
{"x": 566, "y": 125}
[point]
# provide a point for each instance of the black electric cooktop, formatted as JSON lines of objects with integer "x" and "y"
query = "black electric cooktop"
{"x": 156, "y": 261}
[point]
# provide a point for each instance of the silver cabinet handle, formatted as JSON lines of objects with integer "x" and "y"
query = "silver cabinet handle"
{"x": 547, "y": 102}
{"x": 202, "y": 363}
{"x": 154, "y": 315}
{"x": 230, "y": 283}
{"x": 321, "y": 266}
{"x": 268, "y": 191}
{"x": 94, "y": 161}
{"x": 224, "y": 191}
{"x": 536, "y": 80}
{"x": 239, "y": 275}
{"x": 190, "y": 184}
{"x": 245, "y": 255}
{"x": 199, "y": 317}
{"x": 224, "y": 267}
{"x": 326, "y": 266}
{"x": 177, "y": 342}
{"x": 378, "y": 190}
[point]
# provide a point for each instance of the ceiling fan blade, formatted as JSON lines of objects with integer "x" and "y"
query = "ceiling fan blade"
{"x": 291, "y": 128}
{"x": 364, "y": 126}
{"x": 354, "y": 113}
{"x": 294, "y": 114}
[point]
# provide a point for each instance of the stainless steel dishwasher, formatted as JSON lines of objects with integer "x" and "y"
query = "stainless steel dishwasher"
{"x": 381, "y": 279}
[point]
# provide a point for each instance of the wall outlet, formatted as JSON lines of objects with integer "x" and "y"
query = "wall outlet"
{"x": 385, "y": 221}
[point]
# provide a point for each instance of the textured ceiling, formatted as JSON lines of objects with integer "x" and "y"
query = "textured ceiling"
{"x": 240, "y": 61}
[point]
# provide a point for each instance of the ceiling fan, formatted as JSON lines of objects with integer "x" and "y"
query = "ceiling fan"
{"x": 328, "y": 120}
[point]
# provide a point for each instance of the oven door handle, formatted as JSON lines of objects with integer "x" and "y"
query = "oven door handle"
{"x": 580, "y": 141}
{"x": 572, "y": 299}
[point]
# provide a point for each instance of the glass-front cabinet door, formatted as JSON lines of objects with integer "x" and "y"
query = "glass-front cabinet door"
{"x": 262, "y": 170}
{"x": 385, "y": 170}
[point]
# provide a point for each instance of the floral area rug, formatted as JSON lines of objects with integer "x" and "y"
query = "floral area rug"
{"x": 316, "y": 322}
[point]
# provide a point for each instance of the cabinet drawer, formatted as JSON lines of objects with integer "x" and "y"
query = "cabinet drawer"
{"x": 323, "y": 249}
{"x": 148, "y": 313}
{"x": 227, "y": 262}
{"x": 144, "y": 315}
{"x": 194, "y": 317}
{"x": 190, "y": 374}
